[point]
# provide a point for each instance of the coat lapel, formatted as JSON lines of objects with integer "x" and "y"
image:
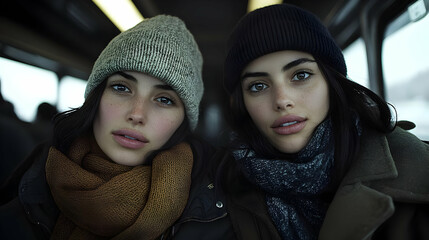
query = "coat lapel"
{"x": 358, "y": 210}
{"x": 374, "y": 161}
{"x": 250, "y": 216}
{"x": 355, "y": 213}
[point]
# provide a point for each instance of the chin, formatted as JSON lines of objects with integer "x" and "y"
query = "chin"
{"x": 123, "y": 159}
{"x": 291, "y": 148}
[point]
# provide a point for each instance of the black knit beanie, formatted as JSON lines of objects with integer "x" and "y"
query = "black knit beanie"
{"x": 276, "y": 28}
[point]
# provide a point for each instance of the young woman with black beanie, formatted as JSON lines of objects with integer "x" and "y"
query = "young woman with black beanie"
{"x": 316, "y": 155}
{"x": 125, "y": 165}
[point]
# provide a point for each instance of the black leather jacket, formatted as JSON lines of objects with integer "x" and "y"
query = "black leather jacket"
{"x": 205, "y": 216}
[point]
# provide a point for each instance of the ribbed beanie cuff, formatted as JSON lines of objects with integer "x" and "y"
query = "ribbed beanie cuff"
{"x": 161, "y": 47}
{"x": 276, "y": 28}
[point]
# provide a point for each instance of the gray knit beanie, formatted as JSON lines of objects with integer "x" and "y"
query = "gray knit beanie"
{"x": 161, "y": 47}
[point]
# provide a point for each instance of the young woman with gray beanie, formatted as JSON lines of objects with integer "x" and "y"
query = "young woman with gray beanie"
{"x": 316, "y": 156}
{"x": 124, "y": 165}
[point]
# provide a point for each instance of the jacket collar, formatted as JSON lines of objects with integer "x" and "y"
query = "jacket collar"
{"x": 358, "y": 210}
{"x": 355, "y": 213}
{"x": 206, "y": 200}
{"x": 34, "y": 193}
{"x": 374, "y": 161}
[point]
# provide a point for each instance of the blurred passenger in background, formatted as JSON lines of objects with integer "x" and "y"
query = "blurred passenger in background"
{"x": 15, "y": 140}
{"x": 42, "y": 127}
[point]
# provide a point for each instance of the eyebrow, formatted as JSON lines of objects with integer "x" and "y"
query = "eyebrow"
{"x": 253, "y": 74}
{"x": 296, "y": 63}
{"x": 158, "y": 86}
{"x": 127, "y": 76}
{"x": 164, "y": 87}
{"x": 285, "y": 68}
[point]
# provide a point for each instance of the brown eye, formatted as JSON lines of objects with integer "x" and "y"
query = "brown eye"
{"x": 301, "y": 76}
{"x": 257, "y": 87}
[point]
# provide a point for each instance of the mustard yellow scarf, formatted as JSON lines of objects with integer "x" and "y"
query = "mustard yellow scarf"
{"x": 100, "y": 199}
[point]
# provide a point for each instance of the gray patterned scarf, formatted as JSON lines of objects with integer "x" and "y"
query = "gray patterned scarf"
{"x": 293, "y": 186}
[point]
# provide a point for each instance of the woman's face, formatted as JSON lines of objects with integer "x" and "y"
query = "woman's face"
{"x": 137, "y": 115}
{"x": 286, "y": 96}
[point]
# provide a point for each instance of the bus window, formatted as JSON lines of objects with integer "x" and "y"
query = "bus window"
{"x": 71, "y": 93}
{"x": 357, "y": 64}
{"x": 26, "y": 87}
{"x": 405, "y": 53}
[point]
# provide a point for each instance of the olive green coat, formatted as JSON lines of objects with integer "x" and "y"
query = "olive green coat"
{"x": 387, "y": 186}
{"x": 385, "y": 195}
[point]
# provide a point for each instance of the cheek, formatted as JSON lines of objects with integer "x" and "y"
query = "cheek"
{"x": 257, "y": 109}
{"x": 107, "y": 113}
{"x": 326, "y": 104}
{"x": 318, "y": 103}
{"x": 323, "y": 102}
{"x": 165, "y": 126}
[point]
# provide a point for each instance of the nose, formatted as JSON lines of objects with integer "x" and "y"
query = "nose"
{"x": 282, "y": 99}
{"x": 137, "y": 112}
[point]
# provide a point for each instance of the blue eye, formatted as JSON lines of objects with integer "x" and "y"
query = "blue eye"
{"x": 120, "y": 88}
{"x": 165, "y": 100}
{"x": 300, "y": 76}
{"x": 257, "y": 87}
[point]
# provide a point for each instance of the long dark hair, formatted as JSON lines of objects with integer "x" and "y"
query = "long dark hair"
{"x": 348, "y": 100}
{"x": 70, "y": 125}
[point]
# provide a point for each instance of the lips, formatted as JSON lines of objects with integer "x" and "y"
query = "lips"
{"x": 129, "y": 138}
{"x": 289, "y": 124}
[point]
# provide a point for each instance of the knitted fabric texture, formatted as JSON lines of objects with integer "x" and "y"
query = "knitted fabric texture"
{"x": 277, "y": 28}
{"x": 293, "y": 186}
{"x": 161, "y": 47}
{"x": 100, "y": 199}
